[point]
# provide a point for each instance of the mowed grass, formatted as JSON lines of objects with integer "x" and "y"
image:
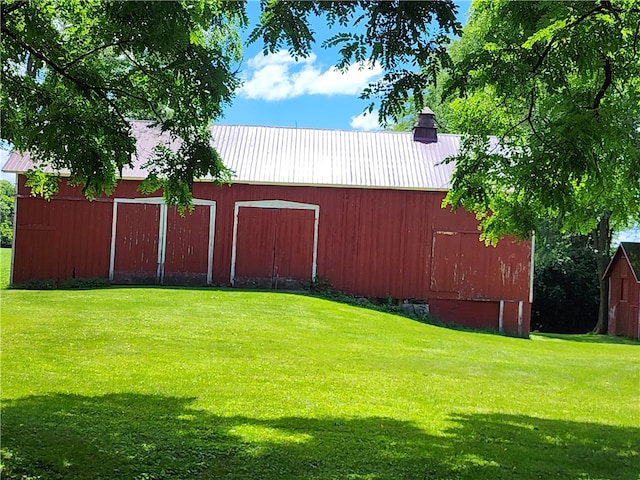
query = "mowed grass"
{"x": 5, "y": 267}
{"x": 158, "y": 383}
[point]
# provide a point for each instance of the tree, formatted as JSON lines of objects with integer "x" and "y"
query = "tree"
{"x": 565, "y": 284}
{"x": 558, "y": 83}
{"x": 7, "y": 197}
{"x": 409, "y": 39}
{"x": 75, "y": 71}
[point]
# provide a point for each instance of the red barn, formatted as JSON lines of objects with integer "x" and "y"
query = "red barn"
{"x": 623, "y": 274}
{"x": 361, "y": 210}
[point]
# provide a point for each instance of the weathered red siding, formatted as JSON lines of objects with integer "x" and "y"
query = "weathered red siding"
{"x": 274, "y": 244}
{"x": 187, "y": 247}
{"x": 61, "y": 239}
{"x": 624, "y": 299}
{"x": 136, "y": 243}
{"x": 370, "y": 242}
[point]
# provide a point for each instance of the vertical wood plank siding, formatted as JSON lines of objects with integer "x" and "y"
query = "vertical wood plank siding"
{"x": 372, "y": 242}
{"x": 137, "y": 243}
{"x": 187, "y": 247}
{"x": 61, "y": 239}
{"x": 624, "y": 299}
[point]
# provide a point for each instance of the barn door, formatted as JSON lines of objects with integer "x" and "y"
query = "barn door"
{"x": 275, "y": 244}
{"x": 188, "y": 249}
{"x": 622, "y": 320}
{"x": 151, "y": 243}
{"x": 456, "y": 265}
{"x": 255, "y": 248}
{"x": 135, "y": 259}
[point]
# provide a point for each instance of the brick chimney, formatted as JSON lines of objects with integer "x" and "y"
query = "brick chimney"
{"x": 425, "y": 130}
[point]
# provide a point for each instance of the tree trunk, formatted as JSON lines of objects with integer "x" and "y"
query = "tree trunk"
{"x": 601, "y": 241}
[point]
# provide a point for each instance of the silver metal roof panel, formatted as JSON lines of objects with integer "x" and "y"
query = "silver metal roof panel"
{"x": 303, "y": 156}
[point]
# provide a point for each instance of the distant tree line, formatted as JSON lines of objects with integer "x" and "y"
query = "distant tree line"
{"x": 7, "y": 195}
{"x": 565, "y": 285}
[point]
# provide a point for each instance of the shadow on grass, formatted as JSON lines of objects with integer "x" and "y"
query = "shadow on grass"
{"x": 588, "y": 338}
{"x": 130, "y": 436}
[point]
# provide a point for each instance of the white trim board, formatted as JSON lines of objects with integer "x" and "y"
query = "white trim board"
{"x": 15, "y": 226}
{"x": 279, "y": 204}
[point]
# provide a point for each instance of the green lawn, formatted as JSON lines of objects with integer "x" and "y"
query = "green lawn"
{"x": 5, "y": 267}
{"x": 150, "y": 383}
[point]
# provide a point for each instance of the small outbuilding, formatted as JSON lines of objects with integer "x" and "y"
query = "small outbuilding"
{"x": 359, "y": 210}
{"x": 623, "y": 274}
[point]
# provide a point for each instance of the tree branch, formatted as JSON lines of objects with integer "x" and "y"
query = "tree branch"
{"x": 530, "y": 117}
{"x": 542, "y": 56}
{"x": 512, "y": 128}
{"x": 115, "y": 108}
{"x": 552, "y": 42}
{"x": 95, "y": 50}
{"x": 50, "y": 63}
{"x": 636, "y": 36}
{"x": 608, "y": 80}
{"x": 101, "y": 91}
{"x": 130, "y": 95}
{"x": 135, "y": 62}
{"x": 7, "y": 10}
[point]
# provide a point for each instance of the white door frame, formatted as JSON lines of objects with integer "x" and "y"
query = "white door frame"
{"x": 280, "y": 204}
{"x": 162, "y": 233}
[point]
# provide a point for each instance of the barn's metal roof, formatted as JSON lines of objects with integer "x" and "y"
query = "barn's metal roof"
{"x": 302, "y": 156}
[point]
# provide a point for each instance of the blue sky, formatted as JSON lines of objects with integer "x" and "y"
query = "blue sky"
{"x": 279, "y": 91}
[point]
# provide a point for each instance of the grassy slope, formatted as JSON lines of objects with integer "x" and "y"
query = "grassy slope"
{"x": 170, "y": 383}
{"x": 5, "y": 267}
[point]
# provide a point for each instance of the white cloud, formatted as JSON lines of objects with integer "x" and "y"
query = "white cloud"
{"x": 366, "y": 121}
{"x": 278, "y": 76}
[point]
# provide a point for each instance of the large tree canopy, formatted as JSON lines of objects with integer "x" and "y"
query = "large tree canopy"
{"x": 558, "y": 83}
{"x": 74, "y": 73}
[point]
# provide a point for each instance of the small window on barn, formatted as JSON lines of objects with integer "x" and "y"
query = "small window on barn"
{"x": 624, "y": 289}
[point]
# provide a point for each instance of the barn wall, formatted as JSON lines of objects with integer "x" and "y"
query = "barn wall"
{"x": 375, "y": 243}
{"x": 61, "y": 239}
{"x": 379, "y": 242}
{"x": 624, "y": 299}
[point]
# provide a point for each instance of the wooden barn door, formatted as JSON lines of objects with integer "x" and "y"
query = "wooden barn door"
{"x": 135, "y": 259}
{"x": 151, "y": 243}
{"x": 256, "y": 247}
{"x": 622, "y": 323}
{"x": 188, "y": 251}
{"x": 274, "y": 244}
